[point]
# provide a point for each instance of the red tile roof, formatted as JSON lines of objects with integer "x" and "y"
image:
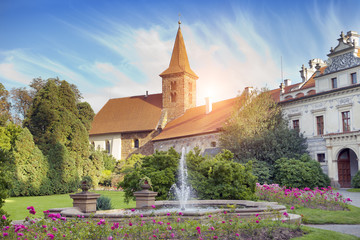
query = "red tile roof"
{"x": 195, "y": 121}
{"x": 130, "y": 114}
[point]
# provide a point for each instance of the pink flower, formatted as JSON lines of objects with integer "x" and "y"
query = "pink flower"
{"x": 210, "y": 216}
{"x": 5, "y": 234}
{"x": 30, "y": 208}
{"x": 133, "y": 210}
{"x": 256, "y": 215}
{"x": 3, "y": 217}
{"x": 225, "y": 212}
{"x": 130, "y": 224}
{"x": 141, "y": 215}
{"x": 182, "y": 229}
{"x": 257, "y": 221}
{"x": 292, "y": 208}
{"x": 51, "y": 236}
{"x": 215, "y": 237}
{"x": 172, "y": 235}
{"x": 64, "y": 235}
{"x": 168, "y": 214}
{"x": 153, "y": 206}
{"x": 54, "y": 229}
{"x": 180, "y": 213}
{"x": 237, "y": 234}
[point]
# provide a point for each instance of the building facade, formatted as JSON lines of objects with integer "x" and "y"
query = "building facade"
{"x": 326, "y": 109}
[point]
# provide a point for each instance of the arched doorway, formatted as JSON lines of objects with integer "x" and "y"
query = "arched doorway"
{"x": 347, "y": 167}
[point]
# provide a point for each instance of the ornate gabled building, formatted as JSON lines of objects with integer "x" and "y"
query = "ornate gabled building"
{"x": 326, "y": 108}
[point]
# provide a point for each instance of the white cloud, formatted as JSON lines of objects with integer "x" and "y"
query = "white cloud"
{"x": 9, "y": 72}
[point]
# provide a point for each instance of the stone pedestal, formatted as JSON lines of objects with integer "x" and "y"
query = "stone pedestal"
{"x": 85, "y": 201}
{"x": 145, "y": 198}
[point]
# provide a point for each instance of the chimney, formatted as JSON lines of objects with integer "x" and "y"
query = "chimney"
{"x": 282, "y": 88}
{"x": 146, "y": 94}
{"x": 287, "y": 82}
{"x": 208, "y": 105}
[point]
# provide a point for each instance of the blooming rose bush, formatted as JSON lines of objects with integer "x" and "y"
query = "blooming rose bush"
{"x": 323, "y": 198}
{"x": 173, "y": 226}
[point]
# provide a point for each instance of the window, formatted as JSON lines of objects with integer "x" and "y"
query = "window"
{"x": 213, "y": 144}
{"x": 346, "y": 121}
{"x": 190, "y": 98}
{"x": 334, "y": 82}
{"x": 296, "y": 124}
{"x": 107, "y": 145}
{"x": 173, "y": 86}
{"x": 190, "y": 86}
{"x": 320, "y": 125}
{"x": 136, "y": 143}
{"x": 173, "y": 97}
{"x": 321, "y": 157}
{"x": 353, "y": 78}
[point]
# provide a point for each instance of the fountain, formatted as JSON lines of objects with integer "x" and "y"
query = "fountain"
{"x": 147, "y": 207}
{"x": 182, "y": 192}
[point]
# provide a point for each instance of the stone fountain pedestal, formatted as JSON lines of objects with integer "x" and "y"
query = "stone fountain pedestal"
{"x": 85, "y": 201}
{"x": 145, "y": 198}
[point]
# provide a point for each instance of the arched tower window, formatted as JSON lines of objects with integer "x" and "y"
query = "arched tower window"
{"x": 173, "y": 85}
{"x": 136, "y": 143}
{"x": 173, "y": 97}
{"x": 107, "y": 145}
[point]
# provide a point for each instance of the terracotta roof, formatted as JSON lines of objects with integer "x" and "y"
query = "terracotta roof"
{"x": 311, "y": 82}
{"x": 195, "y": 121}
{"x": 179, "y": 62}
{"x": 130, "y": 114}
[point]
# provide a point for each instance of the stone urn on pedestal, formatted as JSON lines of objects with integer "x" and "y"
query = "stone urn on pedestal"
{"x": 145, "y": 198}
{"x": 85, "y": 201}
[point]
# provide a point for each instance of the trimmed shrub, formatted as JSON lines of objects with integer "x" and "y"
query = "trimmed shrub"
{"x": 355, "y": 182}
{"x": 300, "y": 173}
{"x": 220, "y": 177}
{"x": 161, "y": 168}
{"x": 5, "y": 184}
{"x": 103, "y": 203}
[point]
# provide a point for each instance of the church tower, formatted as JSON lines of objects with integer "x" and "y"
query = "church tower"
{"x": 178, "y": 82}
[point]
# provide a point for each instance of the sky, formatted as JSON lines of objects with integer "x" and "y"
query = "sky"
{"x": 114, "y": 49}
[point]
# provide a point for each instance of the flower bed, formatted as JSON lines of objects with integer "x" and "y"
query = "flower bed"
{"x": 219, "y": 226}
{"x": 324, "y": 198}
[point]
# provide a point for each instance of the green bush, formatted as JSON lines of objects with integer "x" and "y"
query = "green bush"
{"x": 300, "y": 173}
{"x": 261, "y": 170}
{"x": 103, "y": 203}
{"x": 355, "y": 182}
{"x": 161, "y": 168}
{"x": 220, "y": 177}
{"x": 105, "y": 179}
{"x": 5, "y": 184}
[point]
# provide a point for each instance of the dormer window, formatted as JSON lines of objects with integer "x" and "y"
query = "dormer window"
{"x": 353, "y": 78}
{"x": 334, "y": 82}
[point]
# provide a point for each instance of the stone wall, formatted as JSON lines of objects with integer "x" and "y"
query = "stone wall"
{"x": 204, "y": 141}
{"x": 146, "y": 146}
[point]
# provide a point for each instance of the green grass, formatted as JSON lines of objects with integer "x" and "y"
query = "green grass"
{"x": 318, "y": 216}
{"x": 353, "y": 190}
{"x": 16, "y": 206}
{"x": 320, "y": 234}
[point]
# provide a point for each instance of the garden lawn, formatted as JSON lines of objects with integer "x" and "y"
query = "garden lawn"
{"x": 353, "y": 190}
{"x": 320, "y": 234}
{"x": 318, "y": 216}
{"x": 16, "y": 206}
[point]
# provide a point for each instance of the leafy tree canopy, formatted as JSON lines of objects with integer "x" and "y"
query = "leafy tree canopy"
{"x": 257, "y": 130}
{"x": 5, "y": 106}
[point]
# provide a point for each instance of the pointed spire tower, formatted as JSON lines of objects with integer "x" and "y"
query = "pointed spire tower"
{"x": 178, "y": 81}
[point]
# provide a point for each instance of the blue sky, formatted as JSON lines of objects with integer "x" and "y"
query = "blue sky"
{"x": 113, "y": 49}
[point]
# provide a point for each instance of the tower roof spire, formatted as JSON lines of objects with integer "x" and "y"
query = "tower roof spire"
{"x": 179, "y": 62}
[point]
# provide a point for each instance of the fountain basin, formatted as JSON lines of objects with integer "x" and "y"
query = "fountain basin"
{"x": 195, "y": 209}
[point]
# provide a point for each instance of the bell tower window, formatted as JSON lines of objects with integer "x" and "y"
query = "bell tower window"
{"x": 173, "y": 97}
{"x": 173, "y": 85}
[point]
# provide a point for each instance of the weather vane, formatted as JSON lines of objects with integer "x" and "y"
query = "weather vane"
{"x": 179, "y": 20}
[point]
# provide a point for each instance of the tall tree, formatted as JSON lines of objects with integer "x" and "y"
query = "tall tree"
{"x": 5, "y": 106}
{"x": 22, "y": 100}
{"x": 54, "y": 119}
